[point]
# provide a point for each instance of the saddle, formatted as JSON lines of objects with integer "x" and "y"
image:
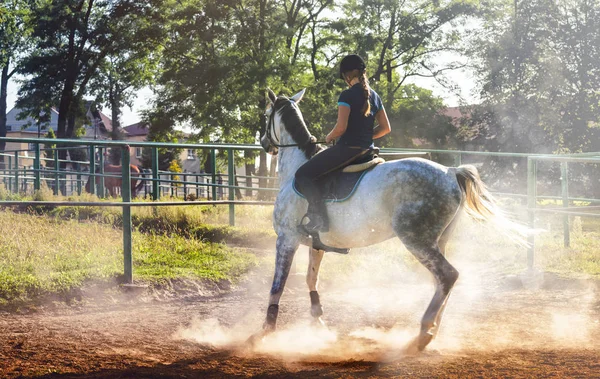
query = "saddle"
{"x": 339, "y": 186}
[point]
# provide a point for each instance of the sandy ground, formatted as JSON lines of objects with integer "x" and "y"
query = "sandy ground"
{"x": 494, "y": 328}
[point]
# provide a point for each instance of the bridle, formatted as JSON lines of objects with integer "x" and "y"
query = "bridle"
{"x": 270, "y": 133}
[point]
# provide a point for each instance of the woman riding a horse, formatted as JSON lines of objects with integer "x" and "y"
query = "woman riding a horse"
{"x": 359, "y": 107}
{"x": 413, "y": 199}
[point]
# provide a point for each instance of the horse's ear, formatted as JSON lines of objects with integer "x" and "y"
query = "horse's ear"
{"x": 272, "y": 95}
{"x": 297, "y": 97}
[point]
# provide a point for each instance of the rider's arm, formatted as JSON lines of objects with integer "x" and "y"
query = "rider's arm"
{"x": 341, "y": 125}
{"x": 384, "y": 124}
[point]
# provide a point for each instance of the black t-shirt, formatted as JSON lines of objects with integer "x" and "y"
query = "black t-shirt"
{"x": 360, "y": 128}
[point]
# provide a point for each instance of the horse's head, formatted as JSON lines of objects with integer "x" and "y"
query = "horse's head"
{"x": 285, "y": 125}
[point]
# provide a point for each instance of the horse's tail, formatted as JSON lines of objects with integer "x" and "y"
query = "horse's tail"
{"x": 482, "y": 206}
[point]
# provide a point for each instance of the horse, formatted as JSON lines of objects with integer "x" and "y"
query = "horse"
{"x": 413, "y": 199}
{"x": 113, "y": 183}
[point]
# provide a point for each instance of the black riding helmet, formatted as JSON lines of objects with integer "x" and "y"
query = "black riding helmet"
{"x": 352, "y": 62}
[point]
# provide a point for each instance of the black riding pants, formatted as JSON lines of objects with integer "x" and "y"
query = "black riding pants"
{"x": 334, "y": 158}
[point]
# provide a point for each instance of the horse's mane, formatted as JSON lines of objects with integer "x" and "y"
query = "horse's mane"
{"x": 294, "y": 124}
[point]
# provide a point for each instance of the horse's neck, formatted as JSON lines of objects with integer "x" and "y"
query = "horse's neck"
{"x": 290, "y": 160}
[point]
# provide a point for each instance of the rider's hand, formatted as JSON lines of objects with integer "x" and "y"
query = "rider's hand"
{"x": 329, "y": 139}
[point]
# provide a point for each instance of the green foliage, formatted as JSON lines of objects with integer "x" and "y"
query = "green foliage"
{"x": 15, "y": 30}
{"x": 175, "y": 167}
{"x": 162, "y": 129}
{"x": 539, "y": 68}
{"x": 225, "y": 54}
{"x": 72, "y": 41}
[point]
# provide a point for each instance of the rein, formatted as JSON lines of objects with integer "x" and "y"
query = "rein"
{"x": 311, "y": 139}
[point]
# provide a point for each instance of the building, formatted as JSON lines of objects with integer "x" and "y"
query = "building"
{"x": 26, "y": 128}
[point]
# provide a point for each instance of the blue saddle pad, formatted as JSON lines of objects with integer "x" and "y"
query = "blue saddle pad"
{"x": 337, "y": 186}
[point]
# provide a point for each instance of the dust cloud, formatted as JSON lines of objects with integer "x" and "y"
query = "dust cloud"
{"x": 374, "y": 299}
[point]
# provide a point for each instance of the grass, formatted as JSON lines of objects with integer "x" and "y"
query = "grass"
{"x": 54, "y": 250}
{"x": 204, "y": 222}
{"x": 160, "y": 257}
{"x": 41, "y": 255}
{"x": 583, "y": 255}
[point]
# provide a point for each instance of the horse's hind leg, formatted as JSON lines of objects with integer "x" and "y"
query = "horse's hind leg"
{"x": 445, "y": 276}
{"x": 312, "y": 279}
{"x": 442, "y": 242}
{"x": 421, "y": 239}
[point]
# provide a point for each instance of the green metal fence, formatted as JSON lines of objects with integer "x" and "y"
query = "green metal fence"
{"x": 19, "y": 177}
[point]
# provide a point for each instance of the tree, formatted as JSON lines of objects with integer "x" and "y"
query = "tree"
{"x": 73, "y": 38}
{"x": 162, "y": 129}
{"x": 131, "y": 65}
{"x": 220, "y": 56}
{"x": 14, "y": 37}
{"x": 539, "y": 69}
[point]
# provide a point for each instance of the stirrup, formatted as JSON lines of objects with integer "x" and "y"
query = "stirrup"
{"x": 318, "y": 245}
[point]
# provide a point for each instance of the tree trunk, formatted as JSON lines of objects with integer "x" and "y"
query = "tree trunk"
{"x": 250, "y": 170}
{"x": 63, "y": 110}
{"x": 238, "y": 192}
{"x": 3, "y": 96}
{"x": 116, "y": 133}
{"x": 262, "y": 172}
{"x": 390, "y": 85}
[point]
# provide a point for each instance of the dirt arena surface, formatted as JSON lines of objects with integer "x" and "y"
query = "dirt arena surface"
{"x": 492, "y": 329}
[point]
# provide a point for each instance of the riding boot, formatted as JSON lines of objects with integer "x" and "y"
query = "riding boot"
{"x": 317, "y": 218}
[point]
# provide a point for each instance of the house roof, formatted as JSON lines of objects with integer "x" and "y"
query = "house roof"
{"x": 29, "y": 124}
{"x": 104, "y": 121}
{"x": 137, "y": 129}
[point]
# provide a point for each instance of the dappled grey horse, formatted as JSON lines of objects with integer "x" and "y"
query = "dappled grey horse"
{"x": 414, "y": 199}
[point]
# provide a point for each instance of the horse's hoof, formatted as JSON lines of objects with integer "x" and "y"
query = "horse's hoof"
{"x": 316, "y": 310}
{"x": 418, "y": 344}
{"x": 255, "y": 339}
{"x": 319, "y": 323}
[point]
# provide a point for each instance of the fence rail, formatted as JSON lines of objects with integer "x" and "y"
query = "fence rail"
{"x": 220, "y": 188}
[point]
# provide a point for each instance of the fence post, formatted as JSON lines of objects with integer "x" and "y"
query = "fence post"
{"x": 213, "y": 161}
{"x": 231, "y": 184}
{"x": 126, "y": 194}
{"x": 171, "y": 177}
{"x": 531, "y": 205}
{"x": 79, "y": 183}
{"x": 155, "y": 178}
{"x": 197, "y": 186}
{"x": 92, "y": 178}
{"x": 101, "y": 172}
{"x": 16, "y": 172}
{"x": 56, "y": 176}
{"x": 25, "y": 185}
{"x": 564, "y": 181}
{"x": 10, "y": 185}
{"x": 36, "y": 167}
{"x": 184, "y": 187}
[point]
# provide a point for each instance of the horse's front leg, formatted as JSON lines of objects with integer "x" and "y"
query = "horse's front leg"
{"x": 312, "y": 280}
{"x": 286, "y": 248}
